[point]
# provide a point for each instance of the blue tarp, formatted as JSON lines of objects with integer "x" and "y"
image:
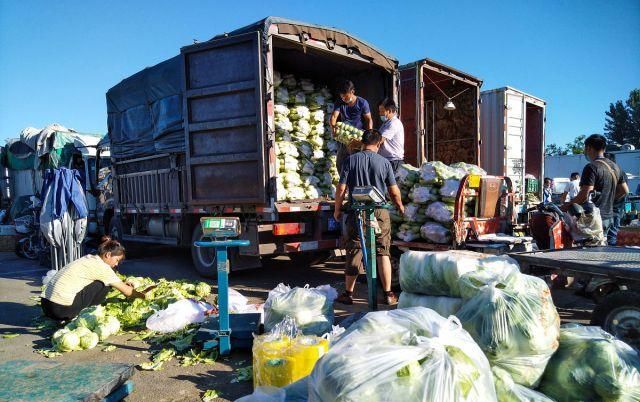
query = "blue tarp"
{"x": 68, "y": 190}
{"x": 144, "y": 111}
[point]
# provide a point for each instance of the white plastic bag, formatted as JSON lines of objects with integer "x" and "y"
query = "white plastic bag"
{"x": 311, "y": 308}
{"x": 50, "y": 274}
{"x": 435, "y": 233}
{"x": 443, "y": 305}
{"x": 508, "y": 391}
{"x": 422, "y": 194}
{"x": 450, "y": 188}
{"x": 178, "y": 315}
{"x": 409, "y": 355}
{"x": 439, "y": 212}
{"x": 265, "y": 394}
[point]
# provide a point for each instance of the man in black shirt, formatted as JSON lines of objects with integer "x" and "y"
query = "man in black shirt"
{"x": 367, "y": 168}
{"x": 602, "y": 176}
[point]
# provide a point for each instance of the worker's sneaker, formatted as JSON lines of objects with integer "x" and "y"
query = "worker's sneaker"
{"x": 390, "y": 298}
{"x": 345, "y": 298}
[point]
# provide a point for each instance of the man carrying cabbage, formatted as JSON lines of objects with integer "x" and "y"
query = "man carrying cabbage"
{"x": 85, "y": 282}
{"x": 392, "y": 132}
{"x": 367, "y": 168}
{"x": 352, "y": 110}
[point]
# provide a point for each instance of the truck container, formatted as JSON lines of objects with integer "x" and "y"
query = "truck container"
{"x": 195, "y": 136}
{"x": 433, "y": 130}
{"x": 512, "y": 127}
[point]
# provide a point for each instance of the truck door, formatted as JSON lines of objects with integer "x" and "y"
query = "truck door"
{"x": 514, "y": 138}
{"x": 223, "y": 112}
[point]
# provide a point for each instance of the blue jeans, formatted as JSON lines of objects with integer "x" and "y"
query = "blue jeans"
{"x": 612, "y": 233}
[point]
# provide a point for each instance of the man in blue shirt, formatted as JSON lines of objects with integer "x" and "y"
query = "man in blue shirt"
{"x": 367, "y": 168}
{"x": 352, "y": 110}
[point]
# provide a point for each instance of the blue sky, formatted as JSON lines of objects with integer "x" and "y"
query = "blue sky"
{"x": 57, "y": 59}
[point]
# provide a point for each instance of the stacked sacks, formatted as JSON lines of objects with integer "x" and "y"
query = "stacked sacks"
{"x": 510, "y": 315}
{"x": 305, "y": 152}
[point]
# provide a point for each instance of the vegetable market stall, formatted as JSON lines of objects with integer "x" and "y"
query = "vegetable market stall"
{"x": 613, "y": 280}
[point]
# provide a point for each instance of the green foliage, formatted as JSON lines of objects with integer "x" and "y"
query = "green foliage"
{"x": 622, "y": 123}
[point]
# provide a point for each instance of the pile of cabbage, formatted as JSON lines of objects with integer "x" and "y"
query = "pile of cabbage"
{"x": 305, "y": 149}
{"x": 510, "y": 315}
{"x": 310, "y": 308}
{"x": 429, "y": 195}
{"x": 97, "y": 323}
{"x": 412, "y": 354}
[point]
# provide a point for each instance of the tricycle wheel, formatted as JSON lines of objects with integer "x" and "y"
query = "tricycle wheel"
{"x": 619, "y": 314}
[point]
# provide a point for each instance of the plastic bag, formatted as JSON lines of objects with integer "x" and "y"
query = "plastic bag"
{"x": 443, "y": 305}
{"x": 509, "y": 391}
{"x": 588, "y": 227}
{"x": 411, "y": 355}
{"x": 435, "y": 233}
{"x": 311, "y": 308}
{"x": 592, "y": 365}
{"x": 50, "y": 274}
{"x": 436, "y": 273}
{"x": 422, "y": 194}
{"x": 515, "y": 323}
{"x": 178, "y": 315}
{"x": 265, "y": 394}
{"x": 450, "y": 188}
{"x": 440, "y": 212}
{"x": 469, "y": 168}
{"x": 407, "y": 175}
{"x": 414, "y": 213}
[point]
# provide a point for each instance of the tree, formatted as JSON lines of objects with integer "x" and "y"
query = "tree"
{"x": 622, "y": 124}
{"x": 576, "y": 147}
{"x": 553, "y": 150}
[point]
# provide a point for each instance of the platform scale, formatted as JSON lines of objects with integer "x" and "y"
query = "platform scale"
{"x": 365, "y": 200}
{"x": 221, "y": 329}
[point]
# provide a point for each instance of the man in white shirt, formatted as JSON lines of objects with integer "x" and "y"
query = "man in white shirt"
{"x": 392, "y": 132}
{"x": 572, "y": 189}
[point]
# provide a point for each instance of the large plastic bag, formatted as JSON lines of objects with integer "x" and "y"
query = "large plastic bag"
{"x": 508, "y": 391}
{"x": 435, "y": 233}
{"x": 407, "y": 175}
{"x": 265, "y": 394}
{"x": 436, "y": 273}
{"x": 178, "y": 315}
{"x": 414, "y": 213}
{"x": 311, "y": 308}
{"x": 412, "y": 355}
{"x": 439, "y": 212}
{"x": 449, "y": 189}
{"x": 422, "y": 194}
{"x": 514, "y": 321}
{"x": 592, "y": 365}
{"x": 469, "y": 168}
{"x": 443, "y": 305}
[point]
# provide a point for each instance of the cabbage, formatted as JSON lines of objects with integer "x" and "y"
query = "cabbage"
{"x": 89, "y": 341}
{"x": 508, "y": 391}
{"x": 422, "y": 194}
{"x": 58, "y": 334}
{"x": 407, "y": 175}
{"x": 411, "y": 355}
{"x": 299, "y": 113}
{"x": 277, "y": 79}
{"x": 289, "y": 81}
{"x": 439, "y": 212}
{"x": 443, "y": 305}
{"x": 450, "y": 189}
{"x": 81, "y": 331}
{"x": 202, "y": 290}
{"x": 67, "y": 342}
{"x": 306, "y": 85}
{"x": 311, "y": 308}
{"x": 414, "y": 213}
{"x": 435, "y": 233}
{"x": 592, "y": 365}
{"x": 346, "y": 133}
{"x": 515, "y": 323}
{"x": 282, "y": 95}
{"x": 281, "y": 110}
{"x": 469, "y": 168}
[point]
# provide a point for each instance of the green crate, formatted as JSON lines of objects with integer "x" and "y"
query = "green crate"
{"x": 532, "y": 185}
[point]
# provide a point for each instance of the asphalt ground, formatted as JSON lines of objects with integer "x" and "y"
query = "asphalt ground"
{"x": 20, "y": 283}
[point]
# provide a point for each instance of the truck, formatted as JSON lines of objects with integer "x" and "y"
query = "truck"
{"x": 440, "y": 112}
{"x": 195, "y": 136}
{"x": 512, "y": 126}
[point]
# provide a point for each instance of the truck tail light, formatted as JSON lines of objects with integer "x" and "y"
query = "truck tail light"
{"x": 284, "y": 229}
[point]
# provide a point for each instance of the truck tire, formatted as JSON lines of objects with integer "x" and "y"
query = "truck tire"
{"x": 619, "y": 314}
{"x": 204, "y": 259}
{"x": 116, "y": 230}
{"x": 309, "y": 258}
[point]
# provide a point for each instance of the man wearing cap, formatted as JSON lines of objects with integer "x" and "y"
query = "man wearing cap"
{"x": 367, "y": 168}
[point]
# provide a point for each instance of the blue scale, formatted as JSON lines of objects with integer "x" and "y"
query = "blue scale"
{"x": 220, "y": 330}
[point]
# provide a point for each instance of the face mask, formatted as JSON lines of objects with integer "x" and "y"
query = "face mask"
{"x": 384, "y": 118}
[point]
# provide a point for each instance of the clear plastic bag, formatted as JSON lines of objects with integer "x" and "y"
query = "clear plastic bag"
{"x": 407, "y": 175}
{"x": 508, "y": 391}
{"x": 311, "y": 308}
{"x": 450, "y": 188}
{"x": 422, "y": 194}
{"x": 412, "y": 355}
{"x": 178, "y": 315}
{"x": 265, "y": 394}
{"x": 443, "y": 305}
{"x": 435, "y": 233}
{"x": 440, "y": 212}
{"x": 592, "y": 365}
{"x": 514, "y": 321}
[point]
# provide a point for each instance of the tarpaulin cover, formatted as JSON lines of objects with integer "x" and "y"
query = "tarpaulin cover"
{"x": 19, "y": 155}
{"x": 144, "y": 111}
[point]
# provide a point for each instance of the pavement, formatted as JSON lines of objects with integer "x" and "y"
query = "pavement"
{"x": 20, "y": 283}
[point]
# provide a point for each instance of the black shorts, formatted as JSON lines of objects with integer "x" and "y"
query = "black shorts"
{"x": 354, "y": 264}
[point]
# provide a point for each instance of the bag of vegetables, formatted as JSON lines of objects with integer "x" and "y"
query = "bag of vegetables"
{"x": 592, "y": 365}
{"x": 409, "y": 355}
{"x": 508, "y": 391}
{"x": 443, "y": 305}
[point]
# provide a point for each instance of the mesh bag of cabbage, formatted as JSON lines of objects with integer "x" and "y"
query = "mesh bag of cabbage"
{"x": 413, "y": 355}
{"x": 592, "y": 365}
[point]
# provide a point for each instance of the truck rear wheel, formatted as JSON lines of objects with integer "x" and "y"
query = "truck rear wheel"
{"x": 204, "y": 259}
{"x": 619, "y": 314}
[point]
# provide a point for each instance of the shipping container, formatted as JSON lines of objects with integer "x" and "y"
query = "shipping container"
{"x": 512, "y": 126}
{"x": 195, "y": 136}
{"x": 439, "y": 107}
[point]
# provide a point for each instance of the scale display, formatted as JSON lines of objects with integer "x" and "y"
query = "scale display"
{"x": 220, "y": 226}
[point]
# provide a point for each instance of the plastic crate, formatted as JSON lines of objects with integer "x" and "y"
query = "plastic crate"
{"x": 532, "y": 185}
